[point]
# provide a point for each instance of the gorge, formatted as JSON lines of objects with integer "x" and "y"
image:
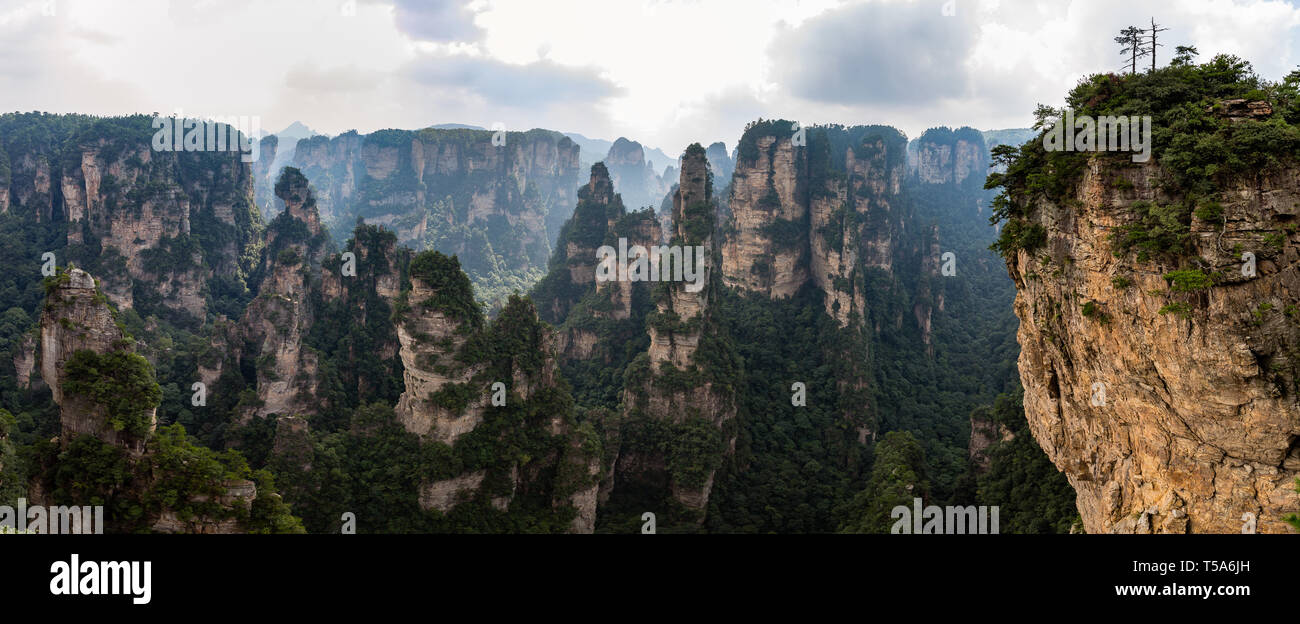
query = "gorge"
{"x": 855, "y": 335}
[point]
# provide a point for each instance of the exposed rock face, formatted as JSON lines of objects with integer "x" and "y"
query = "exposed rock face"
{"x": 1174, "y": 422}
{"x": 598, "y": 220}
{"x": 139, "y": 206}
{"x": 278, "y": 320}
{"x": 25, "y": 361}
{"x": 1240, "y": 110}
{"x": 5, "y": 178}
{"x": 573, "y": 265}
{"x": 766, "y": 191}
{"x": 680, "y": 321}
{"x": 429, "y": 186}
{"x": 943, "y": 156}
{"x": 445, "y": 494}
{"x": 238, "y": 493}
{"x": 634, "y": 178}
{"x": 791, "y": 223}
{"x": 984, "y": 433}
{"x": 264, "y": 175}
{"x": 465, "y": 378}
{"x": 720, "y": 163}
{"x": 77, "y": 318}
{"x": 429, "y": 341}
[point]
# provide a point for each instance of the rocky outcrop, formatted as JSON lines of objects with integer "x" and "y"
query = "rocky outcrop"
{"x": 135, "y": 208}
{"x": 77, "y": 323}
{"x": 792, "y": 222}
{"x": 495, "y": 386}
{"x": 238, "y": 494}
{"x": 720, "y": 163}
{"x": 945, "y": 156}
{"x": 277, "y": 321}
{"x": 985, "y": 431}
{"x": 265, "y": 173}
{"x": 1240, "y": 110}
{"x": 573, "y": 265}
{"x": 77, "y": 318}
{"x": 634, "y": 178}
{"x": 445, "y": 494}
{"x": 1169, "y": 401}
{"x": 430, "y": 339}
{"x": 766, "y": 193}
{"x": 668, "y": 387}
{"x": 25, "y": 361}
{"x": 598, "y": 220}
{"x": 496, "y": 206}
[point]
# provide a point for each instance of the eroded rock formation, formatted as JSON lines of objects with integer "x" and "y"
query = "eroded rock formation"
{"x": 77, "y": 318}
{"x": 1169, "y": 402}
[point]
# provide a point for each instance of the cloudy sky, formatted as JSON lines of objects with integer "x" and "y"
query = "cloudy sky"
{"x": 665, "y": 72}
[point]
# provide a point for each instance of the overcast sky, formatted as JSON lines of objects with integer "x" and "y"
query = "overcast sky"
{"x": 665, "y": 72}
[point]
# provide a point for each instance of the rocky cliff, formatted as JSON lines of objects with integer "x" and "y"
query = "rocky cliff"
{"x": 945, "y": 156}
{"x": 265, "y": 173}
{"x": 635, "y": 178}
{"x": 130, "y": 213}
{"x": 820, "y": 214}
{"x": 150, "y": 479}
{"x": 1162, "y": 378}
{"x": 491, "y": 394}
{"x": 598, "y": 220}
{"x": 496, "y": 200}
{"x": 77, "y": 321}
{"x": 276, "y": 322}
{"x": 720, "y": 162}
{"x": 679, "y": 411}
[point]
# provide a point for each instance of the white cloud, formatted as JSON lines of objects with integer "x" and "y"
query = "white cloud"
{"x": 664, "y": 72}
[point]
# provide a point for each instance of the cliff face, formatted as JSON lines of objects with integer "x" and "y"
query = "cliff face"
{"x": 129, "y": 211}
{"x": 1169, "y": 402}
{"x": 792, "y": 223}
{"x": 599, "y": 219}
{"x": 492, "y": 388}
{"x": 945, "y": 156}
{"x": 765, "y": 191}
{"x": 265, "y": 173}
{"x": 573, "y": 265}
{"x": 985, "y": 431}
{"x": 108, "y": 400}
{"x": 497, "y": 207}
{"x": 430, "y": 339}
{"x": 670, "y": 389}
{"x": 720, "y": 162}
{"x": 76, "y": 318}
{"x": 276, "y": 323}
{"x": 634, "y": 178}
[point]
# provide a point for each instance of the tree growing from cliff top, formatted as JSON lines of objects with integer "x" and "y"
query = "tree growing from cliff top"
{"x": 1151, "y": 47}
{"x": 1131, "y": 40}
{"x": 1184, "y": 56}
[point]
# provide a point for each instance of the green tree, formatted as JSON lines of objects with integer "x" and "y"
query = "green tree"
{"x": 897, "y": 478}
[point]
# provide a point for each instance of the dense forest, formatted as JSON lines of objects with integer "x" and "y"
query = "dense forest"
{"x": 806, "y": 469}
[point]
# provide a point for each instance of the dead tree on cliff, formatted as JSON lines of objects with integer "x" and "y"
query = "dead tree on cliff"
{"x": 1151, "y": 47}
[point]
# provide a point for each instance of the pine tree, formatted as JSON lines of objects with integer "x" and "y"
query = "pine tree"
{"x": 1131, "y": 40}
